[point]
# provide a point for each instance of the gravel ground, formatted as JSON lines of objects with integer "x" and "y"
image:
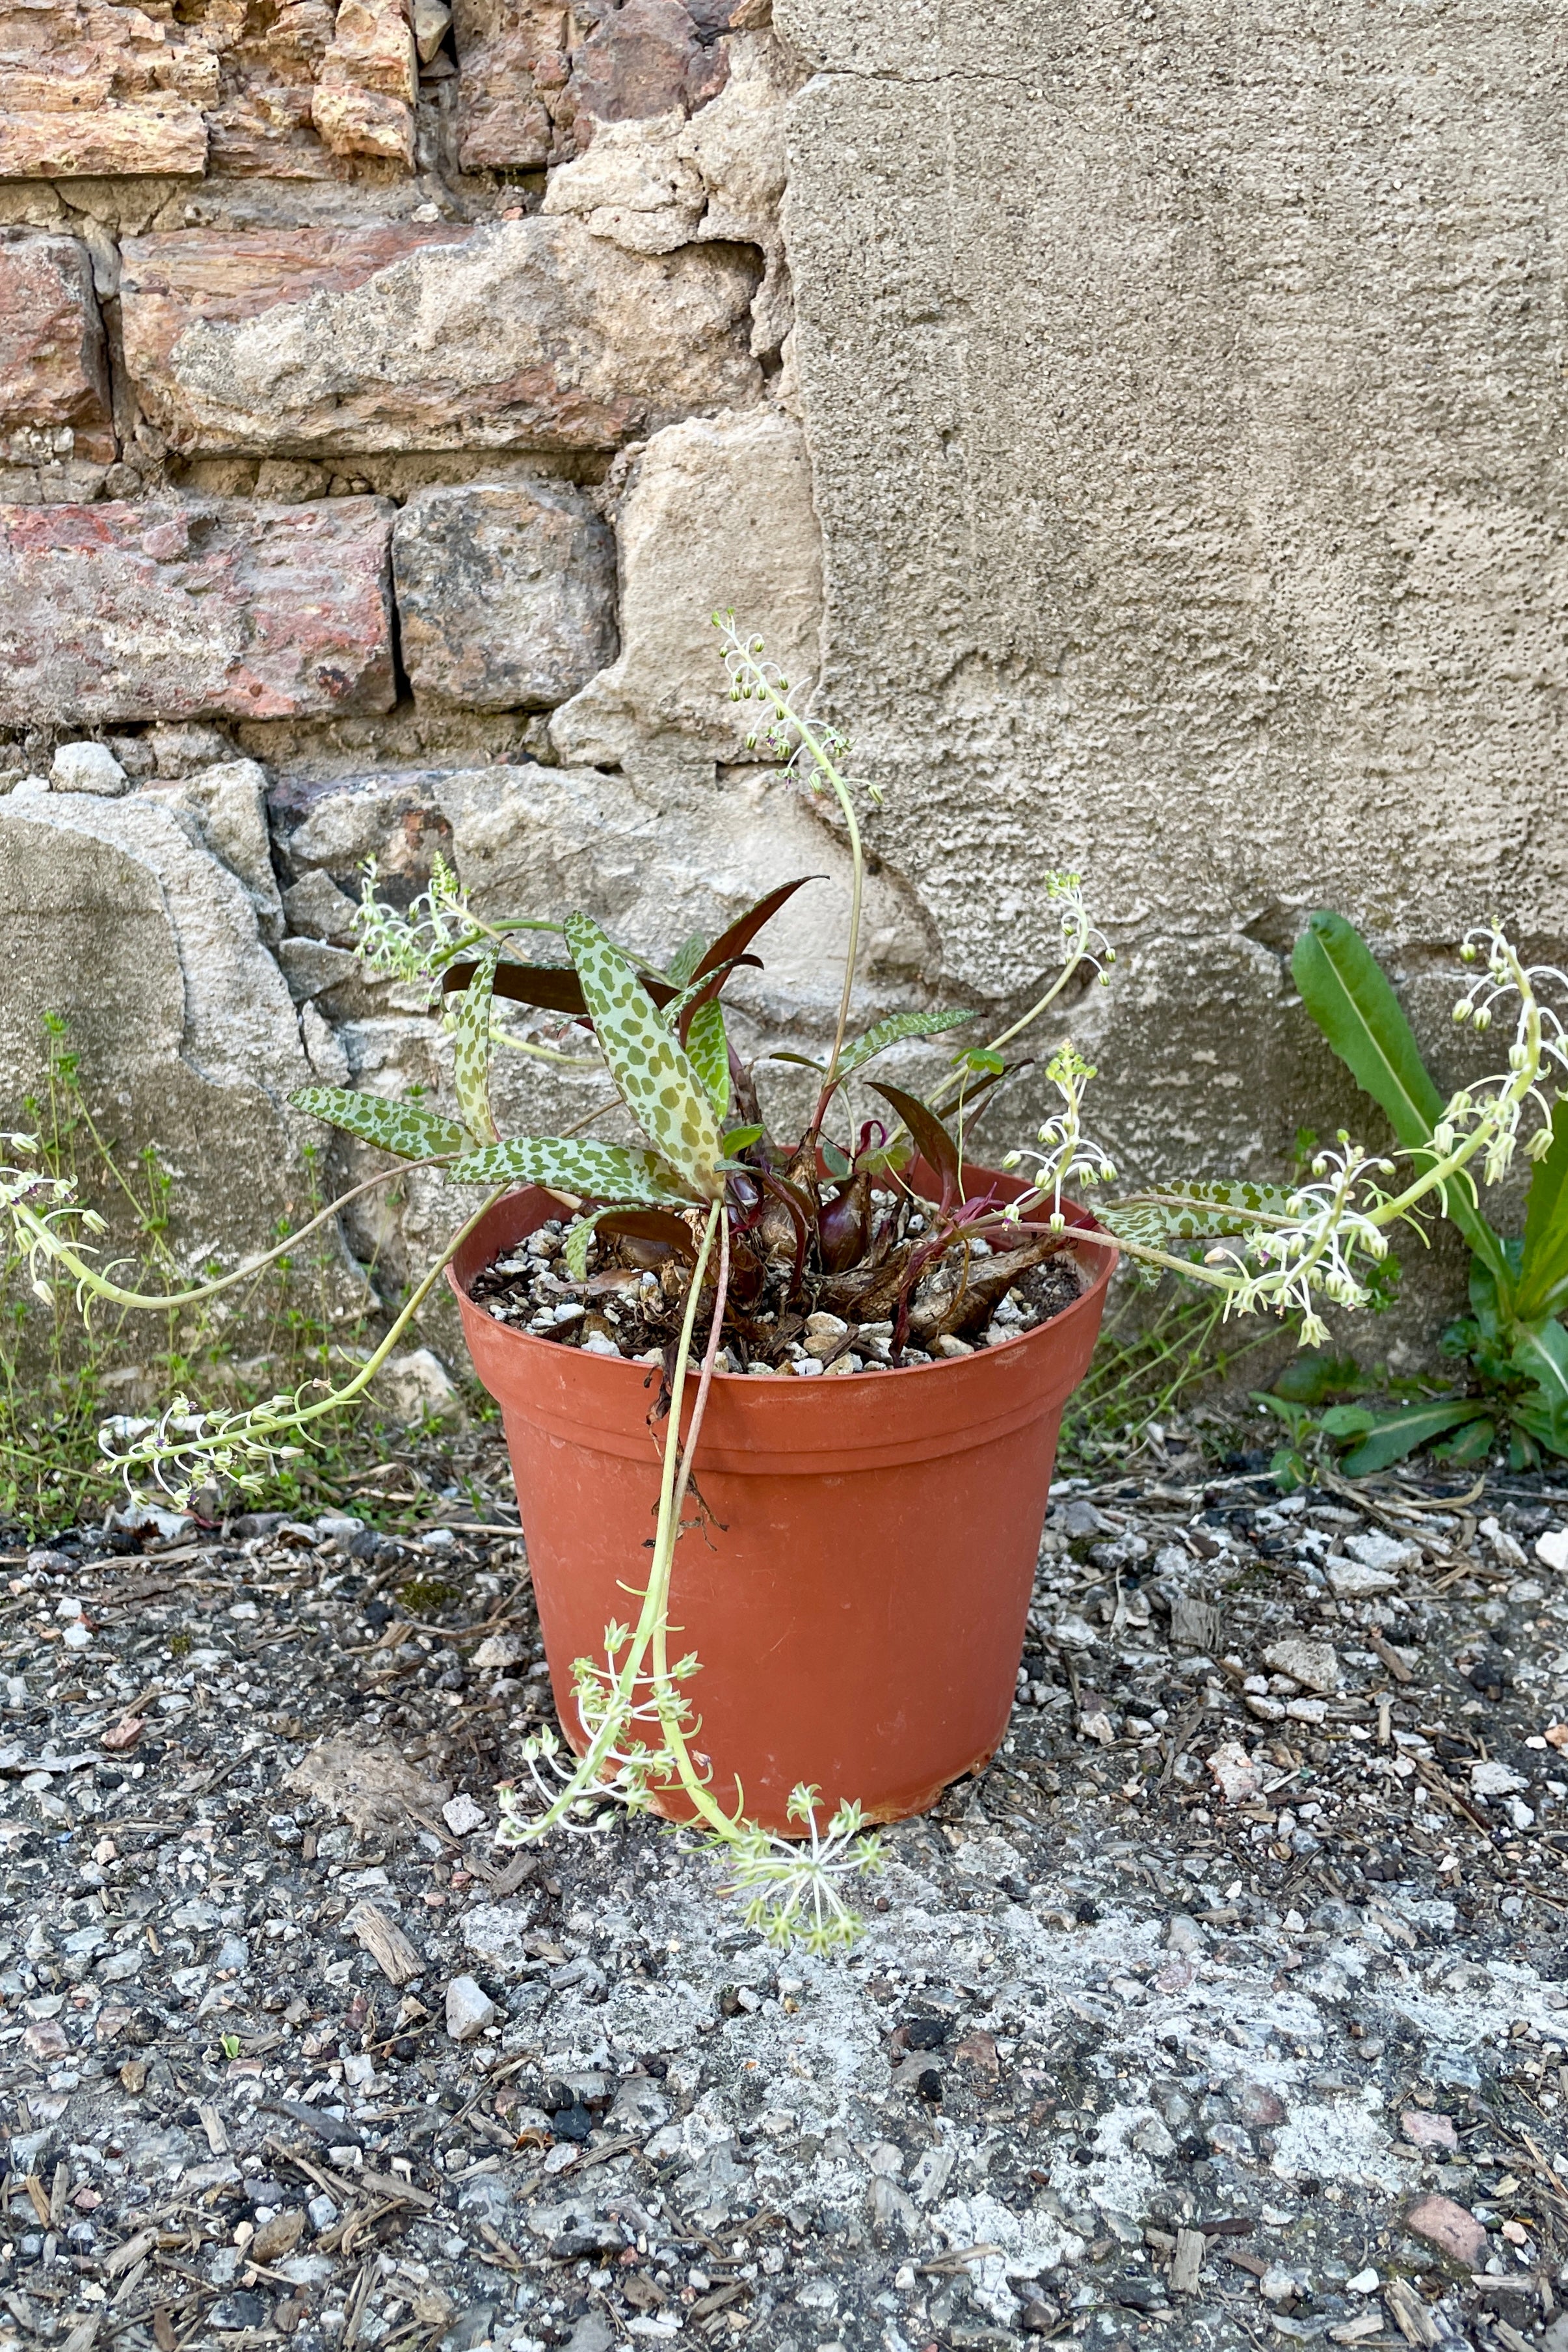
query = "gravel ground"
{"x": 1228, "y": 2006}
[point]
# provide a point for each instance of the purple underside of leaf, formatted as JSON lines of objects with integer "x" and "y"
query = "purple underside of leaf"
{"x": 937, "y": 1147}
{"x": 732, "y": 943}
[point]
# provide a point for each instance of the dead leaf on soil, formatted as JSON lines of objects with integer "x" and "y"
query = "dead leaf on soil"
{"x": 372, "y": 1787}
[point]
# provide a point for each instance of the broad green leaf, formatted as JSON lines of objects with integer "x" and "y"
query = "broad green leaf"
{"x": 1349, "y": 1420}
{"x": 471, "y": 1051}
{"x": 1548, "y": 1429}
{"x": 741, "y": 1139}
{"x": 598, "y": 1172}
{"x": 1343, "y": 988}
{"x": 893, "y": 1031}
{"x": 707, "y": 1050}
{"x": 653, "y": 1076}
{"x": 1397, "y": 1434}
{"x": 1541, "y": 1352}
{"x": 1315, "y": 1374}
{"x": 406, "y": 1129}
{"x": 1543, "y": 1276}
{"x": 1472, "y": 1443}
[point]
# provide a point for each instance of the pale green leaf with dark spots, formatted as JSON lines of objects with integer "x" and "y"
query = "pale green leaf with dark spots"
{"x": 574, "y": 1253}
{"x": 471, "y": 1049}
{"x": 685, "y": 960}
{"x": 653, "y": 1076}
{"x": 1187, "y": 1212}
{"x": 406, "y": 1129}
{"x": 599, "y": 1171}
{"x": 893, "y": 1031}
{"x": 707, "y": 1050}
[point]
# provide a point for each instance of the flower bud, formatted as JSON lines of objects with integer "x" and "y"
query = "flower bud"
{"x": 1468, "y": 952}
{"x": 1483, "y": 1017}
{"x": 1462, "y": 1011}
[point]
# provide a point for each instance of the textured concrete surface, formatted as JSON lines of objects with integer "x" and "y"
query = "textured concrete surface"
{"x": 1186, "y": 417}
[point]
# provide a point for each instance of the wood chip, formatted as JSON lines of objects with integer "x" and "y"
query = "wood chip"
{"x": 1188, "y": 2260}
{"x": 1391, "y": 1658}
{"x": 955, "y": 2260}
{"x": 396, "y": 1957}
{"x": 133, "y": 2251}
{"x": 1411, "y": 2315}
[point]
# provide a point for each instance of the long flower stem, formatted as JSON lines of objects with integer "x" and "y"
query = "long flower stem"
{"x": 99, "y": 1286}
{"x": 663, "y": 1691}
{"x": 258, "y": 1430}
{"x": 1076, "y": 951}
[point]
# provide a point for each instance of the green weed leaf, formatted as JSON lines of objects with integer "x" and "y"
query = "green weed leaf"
{"x": 1395, "y": 1435}
{"x": 653, "y": 1076}
{"x": 1541, "y": 1352}
{"x": 1343, "y": 988}
{"x": 1315, "y": 1374}
{"x": 406, "y": 1129}
{"x": 1544, "y": 1272}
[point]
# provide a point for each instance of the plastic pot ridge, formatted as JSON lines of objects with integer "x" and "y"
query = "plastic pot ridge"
{"x": 856, "y": 1576}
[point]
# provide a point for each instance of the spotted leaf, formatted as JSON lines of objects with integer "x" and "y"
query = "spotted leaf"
{"x": 707, "y": 1050}
{"x": 471, "y": 1050}
{"x": 598, "y": 1172}
{"x": 893, "y": 1031}
{"x": 653, "y": 1075}
{"x": 1190, "y": 1213}
{"x": 406, "y": 1129}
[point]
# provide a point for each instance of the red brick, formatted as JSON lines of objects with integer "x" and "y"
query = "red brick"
{"x": 213, "y": 608}
{"x": 53, "y": 373}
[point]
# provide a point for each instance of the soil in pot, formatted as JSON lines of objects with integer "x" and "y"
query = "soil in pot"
{"x": 629, "y": 1299}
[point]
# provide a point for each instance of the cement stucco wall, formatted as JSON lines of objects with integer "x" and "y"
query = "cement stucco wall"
{"x": 1184, "y": 385}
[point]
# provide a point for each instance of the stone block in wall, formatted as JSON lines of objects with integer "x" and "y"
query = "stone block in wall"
{"x": 363, "y": 102}
{"x": 537, "y": 78}
{"x": 718, "y": 517}
{"x": 114, "y": 918}
{"x": 54, "y": 376}
{"x": 521, "y": 334}
{"x": 506, "y": 594}
{"x": 91, "y": 89}
{"x": 213, "y": 608}
{"x": 227, "y": 803}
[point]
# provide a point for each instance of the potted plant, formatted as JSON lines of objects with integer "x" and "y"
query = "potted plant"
{"x": 787, "y": 1406}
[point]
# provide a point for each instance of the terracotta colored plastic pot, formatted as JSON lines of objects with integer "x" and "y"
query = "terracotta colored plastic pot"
{"x": 857, "y": 1595}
